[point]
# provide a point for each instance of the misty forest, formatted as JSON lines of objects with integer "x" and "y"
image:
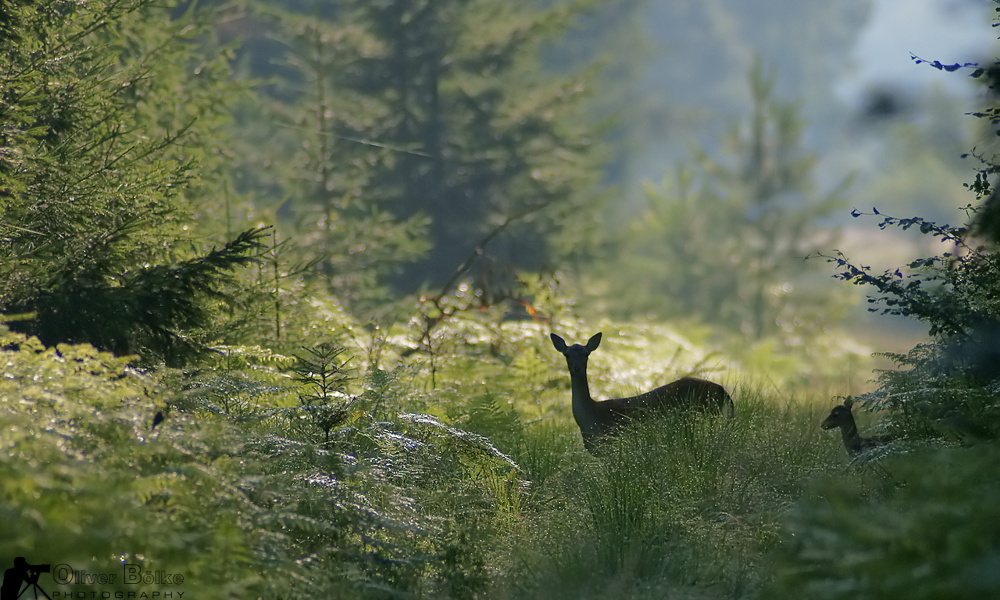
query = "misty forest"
{"x": 314, "y": 299}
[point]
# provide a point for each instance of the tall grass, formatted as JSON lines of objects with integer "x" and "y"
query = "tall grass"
{"x": 683, "y": 505}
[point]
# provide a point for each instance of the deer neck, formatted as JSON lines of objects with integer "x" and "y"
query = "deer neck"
{"x": 852, "y": 439}
{"x": 584, "y": 407}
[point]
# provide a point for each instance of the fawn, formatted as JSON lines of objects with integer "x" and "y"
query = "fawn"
{"x": 854, "y": 442}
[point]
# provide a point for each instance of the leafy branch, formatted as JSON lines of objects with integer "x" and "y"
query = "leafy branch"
{"x": 954, "y": 292}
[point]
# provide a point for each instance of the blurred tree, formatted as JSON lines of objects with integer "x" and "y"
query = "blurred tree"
{"x": 412, "y": 130}
{"x": 617, "y": 35}
{"x": 301, "y": 167}
{"x": 690, "y": 60}
{"x": 726, "y": 245}
{"x": 99, "y": 147}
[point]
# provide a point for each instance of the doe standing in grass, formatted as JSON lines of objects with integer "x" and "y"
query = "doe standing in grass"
{"x": 600, "y": 419}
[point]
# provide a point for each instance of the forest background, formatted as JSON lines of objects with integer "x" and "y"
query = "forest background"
{"x": 325, "y": 243}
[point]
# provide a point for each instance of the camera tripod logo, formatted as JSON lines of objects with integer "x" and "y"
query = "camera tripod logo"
{"x": 20, "y": 574}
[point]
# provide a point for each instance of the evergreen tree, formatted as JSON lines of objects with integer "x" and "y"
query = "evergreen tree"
{"x": 97, "y": 160}
{"x": 421, "y": 128}
{"x": 313, "y": 177}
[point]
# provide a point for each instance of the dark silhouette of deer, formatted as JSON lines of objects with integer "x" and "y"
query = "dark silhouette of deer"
{"x": 598, "y": 420}
{"x": 854, "y": 442}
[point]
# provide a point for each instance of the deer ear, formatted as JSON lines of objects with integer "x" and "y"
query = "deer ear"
{"x": 594, "y": 342}
{"x": 848, "y": 402}
{"x": 558, "y": 342}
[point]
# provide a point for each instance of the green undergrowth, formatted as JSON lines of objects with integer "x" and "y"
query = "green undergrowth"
{"x": 237, "y": 493}
{"x": 926, "y": 530}
{"x": 344, "y": 472}
{"x": 86, "y": 484}
{"x": 685, "y": 507}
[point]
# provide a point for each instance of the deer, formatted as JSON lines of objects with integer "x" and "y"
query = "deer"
{"x": 854, "y": 442}
{"x": 600, "y": 420}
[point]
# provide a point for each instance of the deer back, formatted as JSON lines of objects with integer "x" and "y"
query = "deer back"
{"x": 687, "y": 394}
